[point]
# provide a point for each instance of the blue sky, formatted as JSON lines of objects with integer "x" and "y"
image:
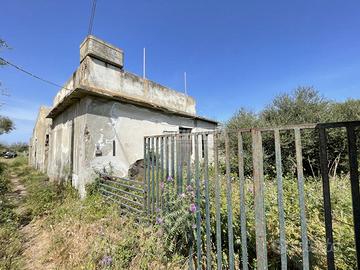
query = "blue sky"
{"x": 236, "y": 53}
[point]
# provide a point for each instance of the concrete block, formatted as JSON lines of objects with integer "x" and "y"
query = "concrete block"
{"x": 101, "y": 50}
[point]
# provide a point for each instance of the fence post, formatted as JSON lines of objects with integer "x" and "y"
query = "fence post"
{"x": 300, "y": 176}
{"x": 217, "y": 203}
{"x": 145, "y": 178}
{"x": 326, "y": 198}
{"x": 229, "y": 203}
{"x": 281, "y": 211}
{"x": 244, "y": 251}
{"x": 355, "y": 193}
{"x": 198, "y": 205}
{"x": 260, "y": 222}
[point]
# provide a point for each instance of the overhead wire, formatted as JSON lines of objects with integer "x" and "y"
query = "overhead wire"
{"x": 31, "y": 74}
{"x": 91, "y": 22}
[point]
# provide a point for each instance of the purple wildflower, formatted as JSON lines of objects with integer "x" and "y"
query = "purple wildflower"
{"x": 251, "y": 189}
{"x": 162, "y": 185}
{"x": 189, "y": 188}
{"x": 192, "y": 208}
{"x": 157, "y": 210}
{"x": 159, "y": 220}
{"x": 170, "y": 179}
{"x": 106, "y": 261}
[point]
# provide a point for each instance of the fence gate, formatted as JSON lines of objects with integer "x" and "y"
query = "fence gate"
{"x": 238, "y": 183}
{"x": 129, "y": 194}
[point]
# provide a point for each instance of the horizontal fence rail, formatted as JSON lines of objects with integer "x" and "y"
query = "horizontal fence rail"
{"x": 129, "y": 194}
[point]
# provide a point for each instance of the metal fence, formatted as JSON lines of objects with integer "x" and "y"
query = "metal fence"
{"x": 196, "y": 158}
{"x": 129, "y": 194}
{"x": 354, "y": 179}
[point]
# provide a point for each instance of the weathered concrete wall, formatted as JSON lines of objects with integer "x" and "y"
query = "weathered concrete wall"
{"x": 92, "y": 46}
{"x": 126, "y": 125}
{"x": 66, "y": 153}
{"x": 115, "y": 81}
{"x": 38, "y": 152}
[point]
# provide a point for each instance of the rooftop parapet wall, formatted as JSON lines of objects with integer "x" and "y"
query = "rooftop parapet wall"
{"x": 132, "y": 87}
{"x": 99, "y": 75}
{"x": 102, "y": 50}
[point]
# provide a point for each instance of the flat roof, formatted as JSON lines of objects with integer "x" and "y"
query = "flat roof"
{"x": 84, "y": 91}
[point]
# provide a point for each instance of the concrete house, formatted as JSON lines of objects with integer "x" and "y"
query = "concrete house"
{"x": 101, "y": 115}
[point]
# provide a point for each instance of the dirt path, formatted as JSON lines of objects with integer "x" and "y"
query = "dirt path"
{"x": 18, "y": 189}
{"x": 35, "y": 241}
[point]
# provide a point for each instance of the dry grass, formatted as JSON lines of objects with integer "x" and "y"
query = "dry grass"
{"x": 65, "y": 232}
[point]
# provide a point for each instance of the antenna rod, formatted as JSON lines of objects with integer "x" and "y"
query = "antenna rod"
{"x": 185, "y": 84}
{"x": 144, "y": 63}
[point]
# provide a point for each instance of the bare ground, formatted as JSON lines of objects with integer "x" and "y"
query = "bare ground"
{"x": 35, "y": 240}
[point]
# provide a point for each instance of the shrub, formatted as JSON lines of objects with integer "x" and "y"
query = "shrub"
{"x": 176, "y": 217}
{"x": 176, "y": 222}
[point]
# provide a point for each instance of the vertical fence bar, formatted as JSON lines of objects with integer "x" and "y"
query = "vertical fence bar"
{"x": 260, "y": 222}
{"x": 300, "y": 176}
{"x": 173, "y": 156}
{"x": 177, "y": 163}
{"x": 217, "y": 203}
{"x": 229, "y": 203}
{"x": 166, "y": 141}
{"x": 181, "y": 162}
{"x": 280, "y": 199}
{"x": 189, "y": 144}
{"x": 188, "y": 182}
{"x": 161, "y": 170}
{"x": 157, "y": 173}
{"x": 198, "y": 210}
{"x": 145, "y": 176}
{"x": 153, "y": 175}
{"x": 244, "y": 251}
{"x": 207, "y": 203}
{"x": 327, "y": 199}
{"x": 147, "y": 172}
{"x": 355, "y": 194}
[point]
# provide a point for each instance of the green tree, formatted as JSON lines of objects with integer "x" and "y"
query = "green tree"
{"x": 6, "y": 124}
{"x": 303, "y": 105}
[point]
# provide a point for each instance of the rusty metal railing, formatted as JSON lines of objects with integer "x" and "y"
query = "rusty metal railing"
{"x": 129, "y": 194}
{"x": 159, "y": 166}
{"x": 198, "y": 156}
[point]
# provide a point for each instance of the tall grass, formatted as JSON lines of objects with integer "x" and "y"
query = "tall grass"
{"x": 10, "y": 238}
{"x": 63, "y": 231}
{"x": 173, "y": 218}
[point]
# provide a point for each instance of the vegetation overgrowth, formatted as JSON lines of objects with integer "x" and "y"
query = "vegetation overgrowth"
{"x": 52, "y": 228}
{"x": 177, "y": 222}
